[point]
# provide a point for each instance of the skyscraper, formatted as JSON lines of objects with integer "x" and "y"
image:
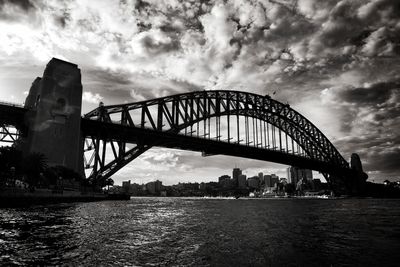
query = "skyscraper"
{"x": 235, "y": 175}
{"x": 242, "y": 181}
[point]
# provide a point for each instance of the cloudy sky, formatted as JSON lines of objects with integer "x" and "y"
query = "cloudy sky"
{"x": 336, "y": 62}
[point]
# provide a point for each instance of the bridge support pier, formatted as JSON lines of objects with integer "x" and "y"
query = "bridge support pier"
{"x": 55, "y": 114}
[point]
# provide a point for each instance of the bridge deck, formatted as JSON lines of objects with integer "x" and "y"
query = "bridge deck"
{"x": 118, "y": 132}
{"x": 12, "y": 114}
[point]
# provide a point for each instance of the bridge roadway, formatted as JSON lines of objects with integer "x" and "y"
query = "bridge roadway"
{"x": 117, "y": 132}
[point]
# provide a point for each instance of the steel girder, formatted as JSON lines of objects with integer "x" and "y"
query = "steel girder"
{"x": 8, "y": 134}
{"x": 12, "y": 123}
{"x": 191, "y": 114}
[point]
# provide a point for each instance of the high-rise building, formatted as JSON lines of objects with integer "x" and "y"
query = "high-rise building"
{"x": 235, "y": 175}
{"x": 267, "y": 180}
{"x": 260, "y": 176}
{"x": 242, "y": 181}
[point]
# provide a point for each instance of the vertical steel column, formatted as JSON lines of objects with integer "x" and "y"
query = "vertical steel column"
{"x": 287, "y": 145}
{"x": 256, "y": 144}
{"x": 209, "y": 118}
{"x": 265, "y": 136}
{"x": 205, "y": 115}
{"x": 254, "y": 133}
{"x": 198, "y": 115}
{"x": 273, "y": 137}
{"x": 268, "y": 134}
{"x": 292, "y": 146}
{"x": 218, "y": 116}
{"x": 191, "y": 116}
{"x": 96, "y": 157}
{"x": 246, "y": 125}
{"x": 261, "y": 133}
{"x": 237, "y": 117}
{"x": 103, "y": 156}
{"x": 228, "y": 107}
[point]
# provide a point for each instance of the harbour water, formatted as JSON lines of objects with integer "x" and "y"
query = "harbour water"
{"x": 204, "y": 232}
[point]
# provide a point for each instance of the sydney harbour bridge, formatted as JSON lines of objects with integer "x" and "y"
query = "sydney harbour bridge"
{"x": 219, "y": 122}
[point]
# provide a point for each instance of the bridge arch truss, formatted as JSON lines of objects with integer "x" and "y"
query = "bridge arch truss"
{"x": 231, "y": 117}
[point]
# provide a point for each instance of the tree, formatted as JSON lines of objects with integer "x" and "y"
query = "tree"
{"x": 33, "y": 166}
{"x": 10, "y": 157}
{"x": 109, "y": 182}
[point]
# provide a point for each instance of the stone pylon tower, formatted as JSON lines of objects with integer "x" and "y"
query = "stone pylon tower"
{"x": 55, "y": 115}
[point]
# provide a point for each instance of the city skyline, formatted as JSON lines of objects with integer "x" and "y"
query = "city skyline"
{"x": 335, "y": 62}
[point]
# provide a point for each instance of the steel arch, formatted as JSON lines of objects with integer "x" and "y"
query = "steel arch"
{"x": 173, "y": 114}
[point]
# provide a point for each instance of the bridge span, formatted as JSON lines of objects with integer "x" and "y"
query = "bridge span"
{"x": 222, "y": 122}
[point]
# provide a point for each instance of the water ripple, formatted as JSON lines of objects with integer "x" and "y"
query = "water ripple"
{"x": 203, "y": 232}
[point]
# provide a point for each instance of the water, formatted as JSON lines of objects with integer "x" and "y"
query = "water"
{"x": 204, "y": 232}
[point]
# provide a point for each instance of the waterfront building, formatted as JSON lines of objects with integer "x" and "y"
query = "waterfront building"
{"x": 154, "y": 188}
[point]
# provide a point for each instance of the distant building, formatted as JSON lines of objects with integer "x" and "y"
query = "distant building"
{"x": 294, "y": 175}
{"x": 242, "y": 181}
{"x": 267, "y": 181}
{"x": 151, "y": 188}
{"x": 235, "y": 175}
{"x": 158, "y": 186}
{"x": 126, "y": 186}
{"x": 154, "y": 188}
{"x": 274, "y": 179}
{"x": 253, "y": 182}
{"x": 223, "y": 178}
{"x": 261, "y": 176}
{"x": 307, "y": 174}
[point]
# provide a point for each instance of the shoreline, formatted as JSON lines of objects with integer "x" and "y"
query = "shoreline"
{"x": 21, "y": 198}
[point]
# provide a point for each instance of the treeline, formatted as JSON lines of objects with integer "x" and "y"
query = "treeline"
{"x": 32, "y": 169}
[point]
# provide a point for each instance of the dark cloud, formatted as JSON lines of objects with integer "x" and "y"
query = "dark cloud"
{"x": 25, "y": 5}
{"x": 370, "y": 117}
{"x": 155, "y": 47}
{"x": 15, "y": 10}
{"x": 377, "y": 94}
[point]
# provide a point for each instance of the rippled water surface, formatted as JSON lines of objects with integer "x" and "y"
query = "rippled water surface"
{"x": 204, "y": 232}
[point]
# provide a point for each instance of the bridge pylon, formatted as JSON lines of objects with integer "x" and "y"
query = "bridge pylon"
{"x": 54, "y": 103}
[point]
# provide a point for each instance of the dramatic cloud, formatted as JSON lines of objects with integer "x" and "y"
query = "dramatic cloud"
{"x": 334, "y": 61}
